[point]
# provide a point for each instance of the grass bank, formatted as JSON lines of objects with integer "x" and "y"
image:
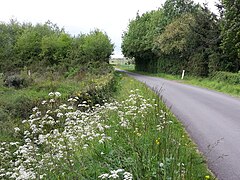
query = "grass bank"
{"x": 210, "y": 83}
{"x": 133, "y": 136}
{"x": 16, "y": 103}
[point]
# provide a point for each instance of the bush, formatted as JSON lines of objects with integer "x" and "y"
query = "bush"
{"x": 228, "y": 77}
{"x": 17, "y": 81}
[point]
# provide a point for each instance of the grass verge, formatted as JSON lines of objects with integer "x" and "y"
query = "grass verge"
{"x": 16, "y": 104}
{"x": 132, "y": 137}
{"x": 224, "y": 87}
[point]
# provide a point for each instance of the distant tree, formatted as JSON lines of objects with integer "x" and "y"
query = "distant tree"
{"x": 55, "y": 48}
{"x": 96, "y": 46}
{"x": 28, "y": 45}
{"x": 9, "y": 34}
{"x": 139, "y": 38}
{"x": 47, "y": 45}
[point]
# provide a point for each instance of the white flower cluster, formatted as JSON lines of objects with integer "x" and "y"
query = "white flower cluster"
{"x": 114, "y": 174}
{"x": 163, "y": 123}
{"x": 135, "y": 107}
{"x": 51, "y": 136}
{"x": 54, "y": 133}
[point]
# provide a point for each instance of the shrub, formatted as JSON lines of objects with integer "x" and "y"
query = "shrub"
{"x": 13, "y": 81}
{"x": 17, "y": 81}
{"x": 228, "y": 77}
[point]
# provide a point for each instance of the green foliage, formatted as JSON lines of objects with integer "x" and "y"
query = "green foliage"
{"x": 177, "y": 35}
{"x": 64, "y": 141}
{"x": 55, "y": 48}
{"x": 231, "y": 34}
{"x": 9, "y": 34}
{"x": 227, "y": 77}
{"x": 46, "y": 45}
{"x": 180, "y": 35}
{"x": 97, "y": 46}
{"x": 3, "y": 115}
{"x": 175, "y": 8}
{"x": 138, "y": 40}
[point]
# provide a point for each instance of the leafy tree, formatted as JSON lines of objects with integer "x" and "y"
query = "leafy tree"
{"x": 177, "y": 35}
{"x": 9, "y": 34}
{"x": 189, "y": 42}
{"x": 28, "y": 45}
{"x": 138, "y": 40}
{"x": 47, "y": 45}
{"x": 97, "y": 46}
{"x": 175, "y": 8}
{"x": 55, "y": 48}
{"x": 231, "y": 34}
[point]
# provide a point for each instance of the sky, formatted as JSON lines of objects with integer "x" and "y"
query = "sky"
{"x": 82, "y": 16}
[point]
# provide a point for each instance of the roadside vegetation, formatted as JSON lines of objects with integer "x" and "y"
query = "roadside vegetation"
{"x": 225, "y": 82}
{"x": 132, "y": 136}
{"x": 65, "y": 113}
{"x": 38, "y": 59}
{"x": 182, "y": 35}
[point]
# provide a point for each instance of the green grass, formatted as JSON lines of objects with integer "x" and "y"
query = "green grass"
{"x": 146, "y": 150}
{"x": 130, "y": 67}
{"x": 16, "y": 104}
{"x": 142, "y": 149}
{"x": 220, "y": 86}
{"x": 134, "y": 134}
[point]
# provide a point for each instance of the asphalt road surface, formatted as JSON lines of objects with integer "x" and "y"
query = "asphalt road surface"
{"x": 212, "y": 119}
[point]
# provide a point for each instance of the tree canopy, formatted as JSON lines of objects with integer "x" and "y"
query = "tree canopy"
{"x": 184, "y": 35}
{"x": 47, "y": 45}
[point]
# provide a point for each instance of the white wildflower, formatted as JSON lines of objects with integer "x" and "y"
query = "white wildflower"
{"x": 44, "y": 102}
{"x": 16, "y": 129}
{"x": 127, "y": 176}
{"x": 104, "y": 176}
{"x": 35, "y": 109}
{"x": 51, "y": 94}
{"x": 52, "y": 100}
{"x": 57, "y": 94}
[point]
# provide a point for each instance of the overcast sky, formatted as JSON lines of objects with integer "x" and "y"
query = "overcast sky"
{"x": 110, "y": 16}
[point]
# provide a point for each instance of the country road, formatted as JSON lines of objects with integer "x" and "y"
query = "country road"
{"x": 212, "y": 119}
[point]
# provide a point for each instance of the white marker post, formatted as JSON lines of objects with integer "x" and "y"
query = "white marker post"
{"x": 183, "y": 72}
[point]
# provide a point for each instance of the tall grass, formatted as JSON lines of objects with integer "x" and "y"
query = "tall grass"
{"x": 133, "y": 136}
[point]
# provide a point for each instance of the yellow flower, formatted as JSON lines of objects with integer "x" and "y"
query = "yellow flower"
{"x": 157, "y": 141}
{"x": 207, "y": 177}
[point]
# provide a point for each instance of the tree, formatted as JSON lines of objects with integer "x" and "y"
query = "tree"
{"x": 175, "y": 8}
{"x": 9, "y": 34}
{"x": 231, "y": 34}
{"x": 97, "y": 46}
{"x": 139, "y": 38}
{"x": 189, "y": 41}
{"x": 28, "y": 45}
{"x": 55, "y": 48}
{"x": 177, "y": 35}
